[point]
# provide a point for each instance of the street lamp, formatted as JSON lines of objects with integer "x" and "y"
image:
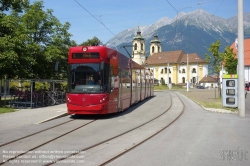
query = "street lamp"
{"x": 5, "y": 87}
{"x": 187, "y": 75}
{"x": 197, "y": 70}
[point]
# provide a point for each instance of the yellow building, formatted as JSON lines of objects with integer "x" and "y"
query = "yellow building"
{"x": 171, "y": 66}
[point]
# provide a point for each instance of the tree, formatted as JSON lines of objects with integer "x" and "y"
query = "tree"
{"x": 230, "y": 61}
{"x": 227, "y": 59}
{"x": 15, "y": 5}
{"x": 91, "y": 42}
{"x": 8, "y": 24}
{"x": 6, "y": 5}
{"x": 35, "y": 42}
{"x": 216, "y": 59}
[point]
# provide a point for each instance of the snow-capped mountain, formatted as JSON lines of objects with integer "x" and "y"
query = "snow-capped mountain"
{"x": 191, "y": 32}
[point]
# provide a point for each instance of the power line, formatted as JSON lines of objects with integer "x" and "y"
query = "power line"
{"x": 219, "y": 6}
{"x": 95, "y": 17}
{"x": 100, "y": 21}
{"x": 176, "y": 21}
{"x": 172, "y": 6}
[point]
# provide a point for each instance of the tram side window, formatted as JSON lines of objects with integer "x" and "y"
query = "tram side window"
{"x": 106, "y": 78}
{"x": 114, "y": 79}
{"x": 125, "y": 80}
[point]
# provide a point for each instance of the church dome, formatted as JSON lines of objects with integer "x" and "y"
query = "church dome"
{"x": 138, "y": 36}
{"x": 155, "y": 40}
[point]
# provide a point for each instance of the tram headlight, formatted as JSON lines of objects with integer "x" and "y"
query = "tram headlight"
{"x": 84, "y": 49}
{"x": 104, "y": 99}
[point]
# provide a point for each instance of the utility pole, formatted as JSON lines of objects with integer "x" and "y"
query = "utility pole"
{"x": 168, "y": 75}
{"x": 241, "y": 78}
{"x": 187, "y": 75}
{"x": 197, "y": 80}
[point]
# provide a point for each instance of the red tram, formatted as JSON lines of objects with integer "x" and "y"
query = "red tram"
{"x": 102, "y": 81}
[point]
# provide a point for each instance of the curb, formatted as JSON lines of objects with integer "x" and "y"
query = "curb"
{"x": 223, "y": 111}
{"x": 52, "y": 118}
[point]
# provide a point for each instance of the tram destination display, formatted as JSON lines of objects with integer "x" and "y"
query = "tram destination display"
{"x": 86, "y": 55}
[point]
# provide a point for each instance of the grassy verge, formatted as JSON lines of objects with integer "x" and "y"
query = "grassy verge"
{"x": 164, "y": 87}
{"x": 4, "y": 109}
{"x": 208, "y": 98}
{"x": 204, "y": 98}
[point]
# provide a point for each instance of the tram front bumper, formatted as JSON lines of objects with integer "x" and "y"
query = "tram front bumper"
{"x": 91, "y": 109}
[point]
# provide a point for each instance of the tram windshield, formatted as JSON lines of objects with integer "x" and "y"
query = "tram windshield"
{"x": 88, "y": 78}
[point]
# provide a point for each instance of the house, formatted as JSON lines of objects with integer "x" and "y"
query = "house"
{"x": 246, "y": 57}
{"x": 209, "y": 82}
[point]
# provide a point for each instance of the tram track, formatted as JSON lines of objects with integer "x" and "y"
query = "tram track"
{"x": 89, "y": 150}
{"x": 93, "y": 149}
{"x": 29, "y": 135}
{"x": 44, "y": 143}
{"x": 127, "y": 150}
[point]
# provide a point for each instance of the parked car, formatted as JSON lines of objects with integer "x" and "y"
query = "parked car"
{"x": 200, "y": 87}
{"x": 247, "y": 86}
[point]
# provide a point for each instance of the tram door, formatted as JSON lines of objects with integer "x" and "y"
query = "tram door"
{"x": 135, "y": 85}
{"x": 119, "y": 107}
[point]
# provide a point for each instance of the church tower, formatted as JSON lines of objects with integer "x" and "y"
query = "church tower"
{"x": 155, "y": 45}
{"x": 138, "y": 51}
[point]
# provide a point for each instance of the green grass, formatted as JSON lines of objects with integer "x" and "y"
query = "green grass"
{"x": 5, "y": 109}
{"x": 205, "y": 102}
{"x": 164, "y": 87}
{"x": 210, "y": 100}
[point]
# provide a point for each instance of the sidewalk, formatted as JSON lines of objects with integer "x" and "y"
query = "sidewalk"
{"x": 24, "y": 117}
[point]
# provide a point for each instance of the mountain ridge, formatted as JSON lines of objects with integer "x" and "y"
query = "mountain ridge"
{"x": 191, "y": 32}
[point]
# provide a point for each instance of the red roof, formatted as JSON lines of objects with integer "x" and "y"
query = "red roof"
{"x": 177, "y": 56}
{"x": 246, "y": 51}
{"x": 208, "y": 79}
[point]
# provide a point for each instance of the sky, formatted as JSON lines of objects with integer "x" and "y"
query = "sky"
{"x": 106, "y": 18}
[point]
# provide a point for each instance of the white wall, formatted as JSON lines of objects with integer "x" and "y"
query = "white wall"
{"x": 247, "y": 74}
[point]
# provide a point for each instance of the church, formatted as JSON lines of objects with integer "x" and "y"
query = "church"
{"x": 171, "y": 67}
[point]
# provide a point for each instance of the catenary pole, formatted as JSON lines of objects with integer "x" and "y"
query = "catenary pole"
{"x": 187, "y": 75}
{"x": 241, "y": 78}
{"x": 168, "y": 75}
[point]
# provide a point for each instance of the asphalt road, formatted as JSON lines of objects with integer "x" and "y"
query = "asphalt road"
{"x": 197, "y": 138}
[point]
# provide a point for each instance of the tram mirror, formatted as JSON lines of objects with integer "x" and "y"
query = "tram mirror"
{"x": 102, "y": 65}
